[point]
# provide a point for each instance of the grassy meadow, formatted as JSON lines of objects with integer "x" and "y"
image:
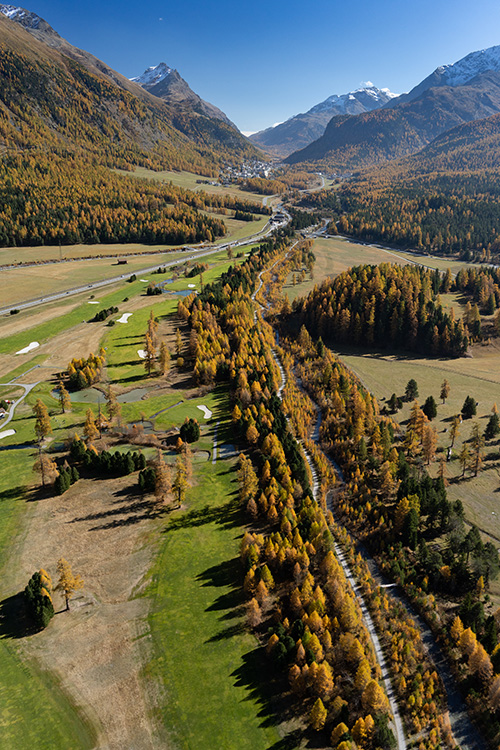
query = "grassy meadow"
{"x": 202, "y": 652}
{"x": 188, "y": 181}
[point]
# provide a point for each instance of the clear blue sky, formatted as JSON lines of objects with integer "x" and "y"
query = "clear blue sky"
{"x": 266, "y": 60}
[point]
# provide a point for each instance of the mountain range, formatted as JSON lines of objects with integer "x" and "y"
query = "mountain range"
{"x": 452, "y": 95}
{"x": 300, "y": 130}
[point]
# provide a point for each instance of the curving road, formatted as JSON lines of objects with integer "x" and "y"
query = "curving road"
{"x": 27, "y": 388}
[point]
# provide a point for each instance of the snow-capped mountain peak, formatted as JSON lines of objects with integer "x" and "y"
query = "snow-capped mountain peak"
{"x": 470, "y": 66}
{"x": 365, "y": 98}
{"x": 26, "y": 17}
{"x": 153, "y": 75}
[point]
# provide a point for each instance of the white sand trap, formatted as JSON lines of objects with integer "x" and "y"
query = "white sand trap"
{"x": 206, "y": 412}
{"x": 7, "y": 433}
{"x": 33, "y": 345}
{"x": 192, "y": 286}
{"x": 145, "y": 280}
{"x": 141, "y": 353}
{"x": 93, "y": 302}
{"x": 124, "y": 318}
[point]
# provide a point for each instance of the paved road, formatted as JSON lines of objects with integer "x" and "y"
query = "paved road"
{"x": 200, "y": 252}
{"x": 27, "y": 388}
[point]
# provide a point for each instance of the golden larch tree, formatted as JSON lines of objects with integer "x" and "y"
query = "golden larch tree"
{"x": 68, "y": 583}
{"x": 43, "y": 426}
{"x": 90, "y": 428}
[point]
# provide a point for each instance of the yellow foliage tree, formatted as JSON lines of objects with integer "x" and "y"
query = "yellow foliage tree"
{"x": 90, "y": 429}
{"x": 318, "y": 714}
{"x": 373, "y": 698}
{"x": 68, "y": 582}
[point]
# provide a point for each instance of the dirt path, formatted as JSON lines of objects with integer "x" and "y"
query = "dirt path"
{"x": 99, "y": 648}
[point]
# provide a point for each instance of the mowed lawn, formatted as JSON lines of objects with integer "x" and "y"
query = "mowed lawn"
{"x": 202, "y": 650}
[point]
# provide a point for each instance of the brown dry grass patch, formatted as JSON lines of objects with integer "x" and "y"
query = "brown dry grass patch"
{"x": 105, "y": 530}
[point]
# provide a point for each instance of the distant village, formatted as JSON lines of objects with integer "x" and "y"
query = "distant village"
{"x": 247, "y": 170}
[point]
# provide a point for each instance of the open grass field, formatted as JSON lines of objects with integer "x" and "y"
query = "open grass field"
{"x": 188, "y": 180}
{"x": 32, "y": 282}
{"x": 240, "y": 230}
{"x": 210, "y": 672}
{"x": 45, "y": 253}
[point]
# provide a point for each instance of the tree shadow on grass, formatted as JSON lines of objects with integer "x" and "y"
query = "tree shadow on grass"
{"x": 227, "y": 516}
{"x": 14, "y": 620}
{"x": 269, "y": 689}
{"x": 291, "y": 741}
{"x": 228, "y": 632}
{"x": 14, "y": 493}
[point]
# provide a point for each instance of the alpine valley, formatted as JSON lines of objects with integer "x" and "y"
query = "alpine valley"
{"x": 249, "y": 388}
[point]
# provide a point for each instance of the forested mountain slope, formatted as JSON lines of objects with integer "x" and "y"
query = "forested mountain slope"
{"x": 444, "y": 199}
{"x": 351, "y": 142}
{"x": 50, "y": 98}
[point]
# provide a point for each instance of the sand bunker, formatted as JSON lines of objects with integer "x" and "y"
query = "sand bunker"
{"x": 124, "y": 318}
{"x": 206, "y": 412}
{"x": 7, "y": 433}
{"x": 33, "y": 345}
{"x": 192, "y": 286}
{"x": 93, "y": 302}
{"x": 141, "y": 353}
{"x": 145, "y": 280}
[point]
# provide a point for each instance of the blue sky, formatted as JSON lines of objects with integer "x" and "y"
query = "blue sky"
{"x": 264, "y": 61}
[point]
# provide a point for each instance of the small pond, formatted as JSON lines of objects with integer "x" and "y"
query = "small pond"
{"x": 94, "y": 396}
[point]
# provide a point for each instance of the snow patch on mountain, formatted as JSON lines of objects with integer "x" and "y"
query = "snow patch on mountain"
{"x": 368, "y": 97}
{"x": 20, "y": 14}
{"x": 470, "y": 66}
{"x": 153, "y": 75}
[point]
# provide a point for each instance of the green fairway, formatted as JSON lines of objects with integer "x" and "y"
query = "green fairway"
{"x": 202, "y": 652}
{"x": 41, "y": 333}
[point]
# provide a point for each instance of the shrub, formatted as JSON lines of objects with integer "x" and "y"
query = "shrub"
{"x": 190, "y": 430}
